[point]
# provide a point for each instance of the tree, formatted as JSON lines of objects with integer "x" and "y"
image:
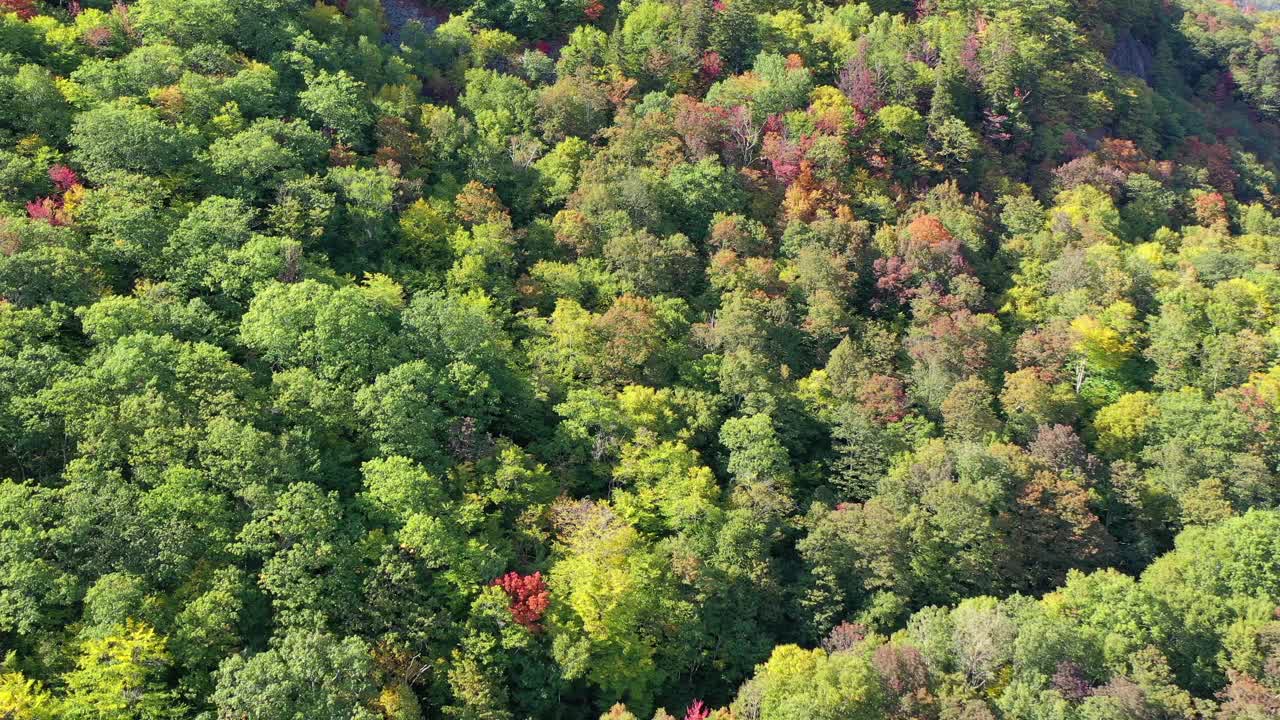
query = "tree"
{"x": 307, "y": 554}
{"x": 255, "y": 161}
{"x": 1029, "y": 402}
{"x": 396, "y": 488}
{"x": 307, "y": 673}
{"x": 186, "y": 24}
{"x": 1197, "y": 593}
{"x": 35, "y": 103}
{"x": 335, "y": 101}
{"x": 759, "y": 463}
{"x": 573, "y": 107}
{"x": 341, "y": 334}
{"x": 1123, "y": 426}
{"x": 948, "y": 348}
{"x": 26, "y": 699}
{"x": 614, "y": 607}
{"x": 650, "y": 265}
{"x": 902, "y": 129}
{"x": 130, "y": 137}
{"x": 120, "y": 677}
{"x": 1053, "y": 513}
{"x": 560, "y": 168}
{"x": 366, "y": 198}
{"x": 982, "y": 636}
{"x": 664, "y": 487}
{"x": 409, "y": 409}
{"x": 967, "y": 413}
{"x": 862, "y": 454}
{"x": 47, "y": 275}
{"x": 31, "y": 585}
{"x": 798, "y": 683}
{"x": 735, "y": 35}
{"x": 850, "y": 553}
{"x": 145, "y": 387}
{"x": 111, "y": 601}
{"x": 209, "y": 628}
{"x": 205, "y": 236}
{"x": 650, "y": 46}
{"x": 529, "y": 597}
{"x": 906, "y": 678}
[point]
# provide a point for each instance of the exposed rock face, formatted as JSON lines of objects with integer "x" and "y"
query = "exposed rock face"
{"x": 1131, "y": 56}
{"x": 400, "y": 12}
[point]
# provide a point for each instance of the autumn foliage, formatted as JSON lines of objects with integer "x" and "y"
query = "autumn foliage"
{"x": 529, "y": 596}
{"x": 25, "y": 9}
{"x": 871, "y": 360}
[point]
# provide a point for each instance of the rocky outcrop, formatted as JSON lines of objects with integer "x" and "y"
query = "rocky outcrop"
{"x": 1131, "y": 56}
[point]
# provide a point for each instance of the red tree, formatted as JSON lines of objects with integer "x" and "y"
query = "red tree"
{"x": 529, "y": 597}
{"x": 1216, "y": 158}
{"x": 784, "y": 156}
{"x": 50, "y": 209}
{"x": 1211, "y": 208}
{"x": 701, "y": 126}
{"x": 712, "y": 65}
{"x": 861, "y": 84}
{"x": 885, "y": 397}
{"x": 928, "y": 256}
{"x": 846, "y": 635}
{"x": 63, "y": 177}
{"x": 697, "y": 711}
{"x": 26, "y": 9}
{"x": 1070, "y": 680}
{"x": 46, "y": 209}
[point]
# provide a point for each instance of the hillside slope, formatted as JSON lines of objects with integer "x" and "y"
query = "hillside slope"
{"x": 550, "y": 358}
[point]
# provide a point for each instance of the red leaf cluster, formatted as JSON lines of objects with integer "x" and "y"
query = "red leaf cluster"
{"x": 25, "y": 9}
{"x": 63, "y": 177}
{"x": 45, "y": 209}
{"x": 861, "y": 84}
{"x": 1070, "y": 680}
{"x": 697, "y": 711}
{"x": 784, "y": 157}
{"x": 846, "y": 635}
{"x": 1216, "y": 158}
{"x": 50, "y": 209}
{"x": 929, "y": 255}
{"x": 712, "y": 64}
{"x": 529, "y": 597}
{"x": 885, "y": 397}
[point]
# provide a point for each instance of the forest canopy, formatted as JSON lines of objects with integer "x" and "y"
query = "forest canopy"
{"x": 732, "y": 359}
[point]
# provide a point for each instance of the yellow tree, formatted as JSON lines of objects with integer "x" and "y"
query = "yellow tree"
{"x": 119, "y": 677}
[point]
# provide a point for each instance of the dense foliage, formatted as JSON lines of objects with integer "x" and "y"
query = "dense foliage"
{"x": 753, "y": 359}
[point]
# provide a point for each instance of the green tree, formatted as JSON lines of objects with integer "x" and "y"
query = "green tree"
{"x": 126, "y": 136}
{"x": 31, "y": 583}
{"x": 204, "y": 21}
{"x": 305, "y": 674}
{"x": 336, "y": 101}
{"x": 256, "y": 160}
{"x": 341, "y": 334}
{"x": 797, "y": 683}
{"x": 309, "y": 561}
